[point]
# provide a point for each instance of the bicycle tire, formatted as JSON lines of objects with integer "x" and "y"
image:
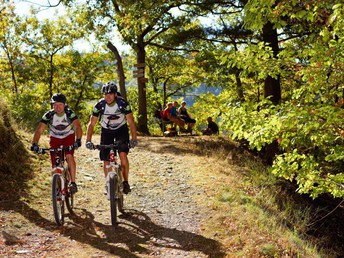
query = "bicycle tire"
{"x": 120, "y": 202}
{"x": 113, "y": 199}
{"x": 58, "y": 203}
{"x": 69, "y": 199}
{"x": 120, "y": 195}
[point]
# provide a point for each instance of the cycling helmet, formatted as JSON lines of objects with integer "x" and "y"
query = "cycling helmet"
{"x": 58, "y": 97}
{"x": 110, "y": 87}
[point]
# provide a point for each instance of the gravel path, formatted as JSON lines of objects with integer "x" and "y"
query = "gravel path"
{"x": 165, "y": 211}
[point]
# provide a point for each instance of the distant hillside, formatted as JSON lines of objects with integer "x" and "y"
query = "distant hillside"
{"x": 190, "y": 97}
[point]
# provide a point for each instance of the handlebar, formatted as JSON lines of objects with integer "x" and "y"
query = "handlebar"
{"x": 65, "y": 148}
{"x": 113, "y": 146}
{"x": 106, "y": 146}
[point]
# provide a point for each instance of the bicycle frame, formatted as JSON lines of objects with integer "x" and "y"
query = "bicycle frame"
{"x": 60, "y": 177}
{"x": 114, "y": 180}
{"x": 113, "y": 169}
{"x": 60, "y": 168}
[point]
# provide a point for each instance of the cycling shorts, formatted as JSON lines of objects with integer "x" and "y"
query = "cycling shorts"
{"x": 109, "y": 136}
{"x": 57, "y": 142}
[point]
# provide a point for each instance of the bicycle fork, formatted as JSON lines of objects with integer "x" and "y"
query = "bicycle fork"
{"x": 59, "y": 171}
{"x": 112, "y": 169}
{"x": 111, "y": 173}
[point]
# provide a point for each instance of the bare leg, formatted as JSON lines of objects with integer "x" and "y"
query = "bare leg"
{"x": 190, "y": 125}
{"x": 125, "y": 165}
{"x": 105, "y": 164}
{"x": 71, "y": 167}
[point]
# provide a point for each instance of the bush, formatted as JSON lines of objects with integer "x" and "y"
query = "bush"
{"x": 309, "y": 136}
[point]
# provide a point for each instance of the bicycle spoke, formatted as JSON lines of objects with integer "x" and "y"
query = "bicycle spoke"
{"x": 58, "y": 203}
{"x": 69, "y": 199}
{"x": 113, "y": 200}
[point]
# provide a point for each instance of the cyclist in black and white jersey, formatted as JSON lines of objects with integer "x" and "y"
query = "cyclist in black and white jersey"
{"x": 114, "y": 112}
{"x": 64, "y": 129}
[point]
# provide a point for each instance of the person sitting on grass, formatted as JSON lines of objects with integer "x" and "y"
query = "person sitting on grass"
{"x": 212, "y": 127}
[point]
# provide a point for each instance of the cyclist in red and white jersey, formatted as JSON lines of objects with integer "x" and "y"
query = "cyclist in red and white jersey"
{"x": 64, "y": 129}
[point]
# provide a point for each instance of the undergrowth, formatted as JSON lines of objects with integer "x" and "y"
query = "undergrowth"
{"x": 259, "y": 204}
{"x": 15, "y": 159}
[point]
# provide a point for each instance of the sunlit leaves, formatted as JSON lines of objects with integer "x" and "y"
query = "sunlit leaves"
{"x": 310, "y": 137}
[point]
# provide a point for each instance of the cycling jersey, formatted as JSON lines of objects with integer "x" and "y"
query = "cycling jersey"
{"x": 112, "y": 116}
{"x": 60, "y": 126}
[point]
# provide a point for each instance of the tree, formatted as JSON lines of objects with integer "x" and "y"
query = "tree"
{"x": 120, "y": 70}
{"x": 142, "y": 23}
{"x": 45, "y": 39}
{"x": 10, "y": 43}
{"x": 307, "y": 122}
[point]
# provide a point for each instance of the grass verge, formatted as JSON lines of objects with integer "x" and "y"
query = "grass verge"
{"x": 258, "y": 215}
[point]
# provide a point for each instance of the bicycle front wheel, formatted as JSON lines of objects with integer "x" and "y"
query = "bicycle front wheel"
{"x": 113, "y": 200}
{"x": 58, "y": 203}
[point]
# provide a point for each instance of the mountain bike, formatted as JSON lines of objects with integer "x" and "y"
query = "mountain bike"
{"x": 61, "y": 179}
{"x": 114, "y": 180}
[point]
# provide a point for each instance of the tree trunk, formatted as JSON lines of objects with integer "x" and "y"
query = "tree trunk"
{"x": 141, "y": 83}
{"x": 165, "y": 93}
{"x": 120, "y": 71}
{"x": 240, "y": 90}
{"x": 51, "y": 77}
{"x": 272, "y": 87}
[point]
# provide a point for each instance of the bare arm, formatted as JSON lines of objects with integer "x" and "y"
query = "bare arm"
{"x": 90, "y": 128}
{"x": 130, "y": 119}
{"x": 78, "y": 128}
{"x": 38, "y": 132}
{"x": 179, "y": 111}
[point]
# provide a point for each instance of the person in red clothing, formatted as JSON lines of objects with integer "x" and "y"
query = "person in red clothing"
{"x": 167, "y": 116}
{"x": 64, "y": 129}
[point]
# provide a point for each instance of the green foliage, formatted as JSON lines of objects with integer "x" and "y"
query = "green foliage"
{"x": 310, "y": 140}
{"x": 206, "y": 105}
{"x": 180, "y": 54}
{"x": 28, "y": 107}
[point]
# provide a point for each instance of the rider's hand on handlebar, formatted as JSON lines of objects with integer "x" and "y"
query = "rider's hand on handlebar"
{"x": 90, "y": 145}
{"x": 35, "y": 148}
{"x": 133, "y": 143}
{"x": 77, "y": 144}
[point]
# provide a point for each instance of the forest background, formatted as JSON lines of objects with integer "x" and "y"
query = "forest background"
{"x": 277, "y": 67}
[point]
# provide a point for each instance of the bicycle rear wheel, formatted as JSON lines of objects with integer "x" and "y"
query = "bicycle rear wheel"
{"x": 69, "y": 199}
{"x": 58, "y": 203}
{"x": 113, "y": 200}
{"x": 119, "y": 196}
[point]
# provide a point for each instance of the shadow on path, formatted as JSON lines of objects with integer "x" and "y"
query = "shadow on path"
{"x": 137, "y": 234}
{"x": 134, "y": 235}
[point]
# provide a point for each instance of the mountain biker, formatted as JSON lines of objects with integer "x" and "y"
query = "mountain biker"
{"x": 114, "y": 112}
{"x": 64, "y": 127}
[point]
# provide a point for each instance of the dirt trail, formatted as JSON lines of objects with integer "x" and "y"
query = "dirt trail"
{"x": 171, "y": 199}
